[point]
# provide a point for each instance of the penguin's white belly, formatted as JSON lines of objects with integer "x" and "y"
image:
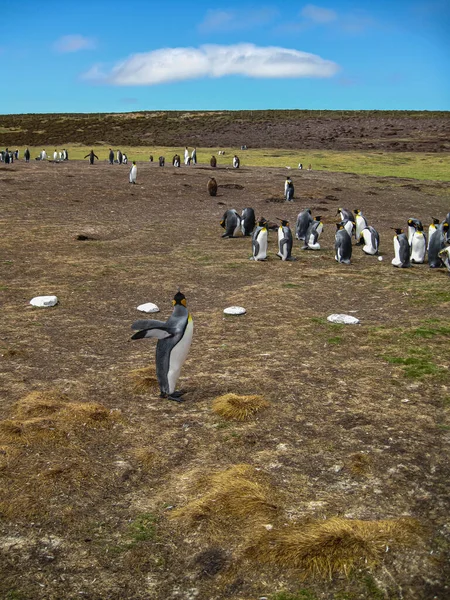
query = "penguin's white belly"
{"x": 368, "y": 247}
{"x": 396, "y": 260}
{"x": 418, "y": 248}
{"x": 178, "y": 356}
{"x": 238, "y": 225}
{"x": 431, "y": 231}
{"x": 262, "y": 241}
{"x": 133, "y": 174}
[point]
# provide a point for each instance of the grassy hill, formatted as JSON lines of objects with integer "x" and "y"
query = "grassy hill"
{"x": 291, "y": 129}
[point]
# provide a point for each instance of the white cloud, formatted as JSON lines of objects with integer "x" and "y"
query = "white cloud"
{"x": 179, "y": 64}
{"x": 228, "y": 20}
{"x": 318, "y": 14}
{"x": 73, "y": 43}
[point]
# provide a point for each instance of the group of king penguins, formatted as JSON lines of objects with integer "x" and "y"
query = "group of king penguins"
{"x": 308, "y": 230}
{"x": 412, "y": 247}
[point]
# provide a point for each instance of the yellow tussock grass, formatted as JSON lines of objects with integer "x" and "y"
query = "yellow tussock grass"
{"x": 238, "y": 408}
{"x": 49, "y": 416}
{"x": 321, "y": 549}
{"x": 237, "y": 495}
{"x": 147, "y": 457}
{"x": 144, "y": 380}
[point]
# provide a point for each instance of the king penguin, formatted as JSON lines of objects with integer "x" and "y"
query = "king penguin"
{"x": 436, "y": 244}
{"x": 447, "y": 234}
{"x": 431, "y": 229}
{"x": 304, "y": 220}
{"x": 371, "y": 240}
{"x": 444, "y": 255}
{"x": 312, "y": 235}
{"x": 248, "y": 221}
{"x": 401, "y": 249}
{"x": 412, "y": 225}
{"x": 212, "y": 187}
{"x": 342, "y": 244}
{"x": 133, "y": 173}
{"x": 360, "y": 224}
{"x": 231, "y": 222}
{"x": 418, "y": 245}
{"x": 174, "y": 340}
{"x": 284, "y": 241}
{"x": 345, "y": 214}
{"x": 259, "y": 241}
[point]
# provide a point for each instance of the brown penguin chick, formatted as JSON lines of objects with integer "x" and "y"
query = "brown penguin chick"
{"x": 213, "y": 161}
{"x": 212, "y": 187}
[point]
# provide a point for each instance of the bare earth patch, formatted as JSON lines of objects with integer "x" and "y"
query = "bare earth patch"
{"x": 107, "y": 491}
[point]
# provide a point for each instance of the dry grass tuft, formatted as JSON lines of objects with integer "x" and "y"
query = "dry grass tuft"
{"x": 238, "y": 408}
{"x": 144, "y": 380}
{"x": 147, "y": 457}
{"x": 237, "y": 496}
{"x": 321, "y": 549}
{"x": 50, "y": 416}
{"x": 360, "y": 464}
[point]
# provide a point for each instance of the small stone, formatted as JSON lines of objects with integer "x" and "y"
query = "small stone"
{"x": 235, "y": 310}
{"x": 148, "y": 307}
{"x": 269, "y": 527}
{"x": 405, "y": 400}
{"x": 44, "y": 301}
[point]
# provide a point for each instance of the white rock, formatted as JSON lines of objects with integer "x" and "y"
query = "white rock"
{"x": 149, "y": 307}
{"x": 235, "y": 310}
{"x": 343, "y": 319}
{"x": 380, "y": 258}
{"x": 44, "y": 301}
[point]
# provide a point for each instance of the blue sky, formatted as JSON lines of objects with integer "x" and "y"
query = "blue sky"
{"x": 110, "y": 56}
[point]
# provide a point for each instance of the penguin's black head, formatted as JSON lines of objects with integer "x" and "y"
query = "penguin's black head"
{"x": 283, "y": 222}
{"x": 398, "y": 230}
{"x": 262, "y": 222}
{"x": 340, "y": 225}
{"x": 318, "y": 218}
{"x": 356, "y": 211}
{"x": 179, "y": 298}
{"x": 435, "y": 221}
{"x": 445, "y": 226}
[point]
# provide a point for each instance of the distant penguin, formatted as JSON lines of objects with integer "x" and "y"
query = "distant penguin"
{"x": 360, "y": 224}
{"x": 259, "y": 241}
{"x": 150, "y": 158}
{"x": 431, "y": 229}
{"x": 91, "y": 156}
{"x": 284, "y": 241}
{"x": 213, "y": 161}
{"x": 436, "y": 244}
{"x": 236, "y": 162}
{"x": 304, "y": 220}
{"x": 55, "y": 155}
{"x": 231, "y": 222}
{"x": 369, "y": 236}
{"x": 412, "y": 224}
{"x": 161, "y": 160}
{"x": 187, "y": 158}
{"x": 345, "y": 214}
{"x": 248, "y": 221}
{"x": 111, "y": 156}
{"x": 289, "y": 190}
{"x": 174, "y": 340}
{"x": 125, "y": 159}
{"x": 444, "y": 255}
{"x": 418, "y": 245}
{"x": 342, "y": 244}
{"x": 212, "y": 187}
{"x": 43, "y": 155}
{"x": 133, "y": 173}
{"x": 119, "y": 157}
{"x": 27, "y": 155}
{"x": 401, "y": 250}
{"x": 312, "y": 235}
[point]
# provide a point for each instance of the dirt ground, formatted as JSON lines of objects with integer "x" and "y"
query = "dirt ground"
{"x": 93, "y": 501}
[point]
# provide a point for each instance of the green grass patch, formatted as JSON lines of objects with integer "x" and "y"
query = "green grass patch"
{"x": 335, "y": 340}
{"x": 142, "y": 529}
{"x": 416, "y": 367}
{"x": 414, "y": 165}
{"x": 300, "y": 595}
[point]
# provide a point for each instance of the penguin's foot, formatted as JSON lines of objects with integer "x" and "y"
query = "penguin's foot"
{"x": 291, "y": 258}
{"x": 178, "y": 394}
{"x": 304, "y": 248}
{"x": 175, "y": 396}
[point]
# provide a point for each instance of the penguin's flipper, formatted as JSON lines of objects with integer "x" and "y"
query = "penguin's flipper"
{"x": 151, "y": 329}
{"x": 152, "y": 333}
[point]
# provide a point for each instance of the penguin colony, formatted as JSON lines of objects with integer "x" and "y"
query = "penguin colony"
{"x": 408, "y": 249}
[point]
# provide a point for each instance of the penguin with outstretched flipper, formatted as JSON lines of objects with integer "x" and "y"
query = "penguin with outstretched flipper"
{"x": 174, "y": 340}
